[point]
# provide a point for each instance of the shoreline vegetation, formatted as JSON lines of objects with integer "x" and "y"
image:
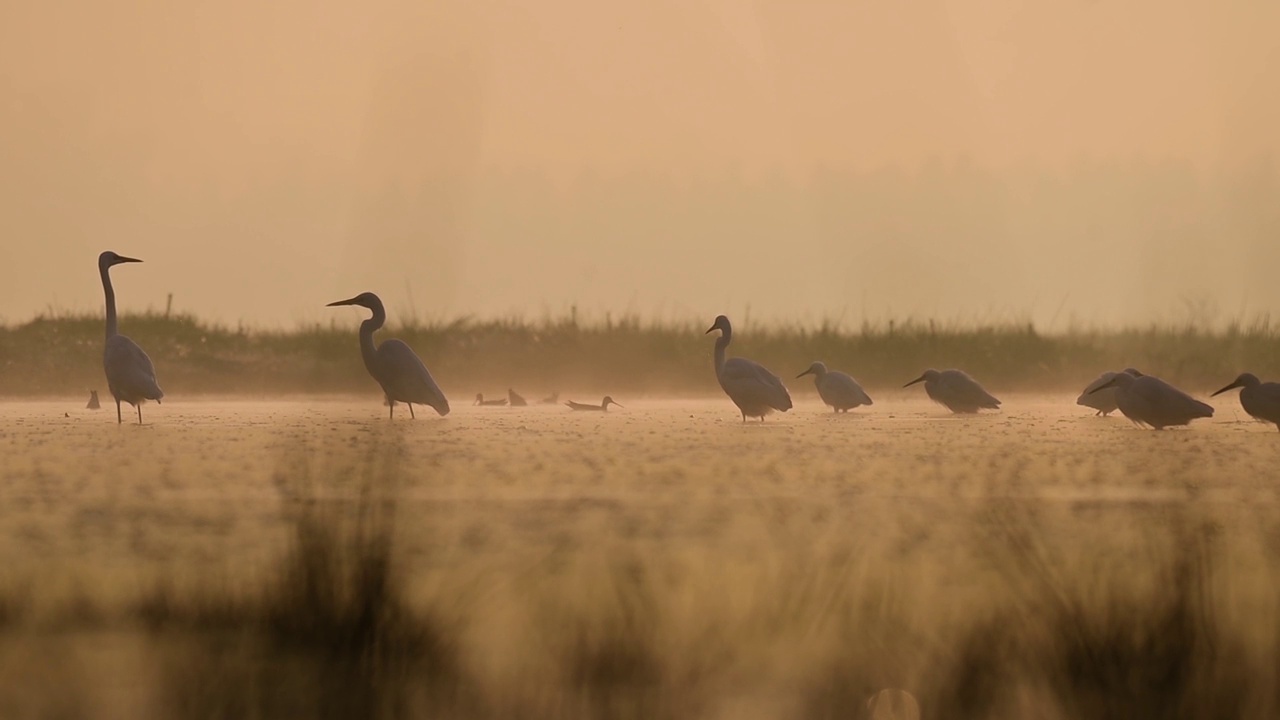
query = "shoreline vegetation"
{"x": 60, "y": 354}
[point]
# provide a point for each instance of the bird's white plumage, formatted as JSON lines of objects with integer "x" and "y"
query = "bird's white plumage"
{"x": 837, "y": 389}
{"x": 1148, "y": 400}
{"x": 1099, "y": 398}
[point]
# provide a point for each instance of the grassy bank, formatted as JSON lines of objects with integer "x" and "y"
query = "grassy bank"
{"x": 62, "y": 355}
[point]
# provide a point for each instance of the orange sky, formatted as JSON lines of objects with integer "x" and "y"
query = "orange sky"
{"x": 265, "y": 158}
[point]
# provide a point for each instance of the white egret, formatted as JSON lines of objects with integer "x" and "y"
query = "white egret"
{"x": 1148, "y": 400}
{"x": 1261, "y": 400}
{"x": 956, "y": 390}
{"x": 131, "y": 377}
{"x": 393, "y": 364}
{"x": 756, "y": 391}
{"x": 836, "y": 389}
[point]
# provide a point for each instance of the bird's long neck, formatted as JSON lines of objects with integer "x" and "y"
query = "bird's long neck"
{"x": 368, "y": 350}
{"x": 110, "y": 293}
{"x": 722, "y": 343}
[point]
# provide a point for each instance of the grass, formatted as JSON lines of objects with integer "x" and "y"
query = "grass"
{"x": 61, "y": 355}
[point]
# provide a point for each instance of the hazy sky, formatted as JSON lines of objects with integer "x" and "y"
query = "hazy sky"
{"x": 974, "y": 159}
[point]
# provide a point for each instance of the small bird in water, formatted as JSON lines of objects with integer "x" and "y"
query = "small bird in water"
{"x": 836, "y": 389}
{"x": 515, "y": 399}
{"x": 1104, "y": 401}
{"x": 1260, "y": 399}
{"x": 93, "y": 401}
{"x": 756, "y": 391}
{"x": 488, "y": 403}
{"x": 394, "y": 364}
{"x": 1148, "y": 400}
{"x": 956, "y": 390}
{"x": 131, "y": 377}
{"x": 602, "y": 407}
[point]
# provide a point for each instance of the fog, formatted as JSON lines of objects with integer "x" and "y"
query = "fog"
{"x": 1078, "y": 162}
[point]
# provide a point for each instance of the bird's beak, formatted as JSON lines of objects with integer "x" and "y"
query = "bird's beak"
{"x": 708, "y": 332}
{"x": 1104, "y": 386}
{"x": 124, "y": 259}
{"x": 618, "y": 404}
{"x": 1229, "y": 387}
{"x": 913, "y": 382}
{"x": 806, "y": 372}
{"x": 349, "y": 301}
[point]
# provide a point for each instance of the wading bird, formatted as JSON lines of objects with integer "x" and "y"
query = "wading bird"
{"x": 1148, "y": 400}
{"x": 756, "y": 391}
{"x": 516, "y": 399}
{"x": 836, "y": 389}
{"x": 1104, "y": 401}
{"x": 602, "y": 407}
{"x": 93, "y": 401}
{"x": 1261, "y": 400}
{"x": 956, "y": 390}
{"x": 131, "y": 377}
{"x": 488, "y": 403}
{"x": 393, "y": 364}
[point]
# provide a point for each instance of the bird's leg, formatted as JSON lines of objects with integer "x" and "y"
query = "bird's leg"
{"x": 391, "y": 409}
{"x": 744, "y": 416}
{"x": 411, "y": 415}
{"x": 139, "y": 407}
{"x": 119, "y": 420}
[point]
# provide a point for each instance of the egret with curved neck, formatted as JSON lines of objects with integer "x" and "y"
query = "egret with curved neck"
{"x": 1260, "y": 399}
{"x": 131, "y": 377}
{"x": 393, "y": 364}
{"x": 756, "y": 391}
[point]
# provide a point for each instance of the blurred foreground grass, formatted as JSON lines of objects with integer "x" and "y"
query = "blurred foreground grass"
{"x": 1153, "y": 609}
{"x": 61, "y": 355}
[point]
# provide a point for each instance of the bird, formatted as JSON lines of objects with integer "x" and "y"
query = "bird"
{"x": 516, "y": 400}
{"x": 131, "y": 377}
{"x": 1148, "y": 400}
{"x": 602, "y": 407}
{"x": 1261, "y": 400}
{"x": 756, "y": 391}
{"x": 489, "y": 403}
{"x": 93, "y": 401}
{"x": 1104, "y": 401}
{"x": 393, "y": 364}
{"x": 836, "y": 389}
{"x": 956, "y": 390}
{"x": 551, "y": 399}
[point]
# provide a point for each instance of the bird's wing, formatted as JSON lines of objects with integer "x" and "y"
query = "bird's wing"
{"x": 129, "y": 370}
{"x": 753, "y": 380}
{"x": 1267, "y": 397}
{"x": 1101, "y": 380}
{"x": 966, "y": 391}
{"x": 848, "y": 388}
{"x": 1168, "y": 401}
{"x": 406, "y": 378}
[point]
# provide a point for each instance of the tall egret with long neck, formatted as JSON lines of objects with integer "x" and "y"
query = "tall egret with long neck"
{"x": 836, "y": 389}
{"x": 393, "y": 364}
{"x": 956, "y": 390}
{"x": 1148, "y": 400}
{"x": 756, "y": 391}
{"x": 1261, "y": 400}
{"x": 131, "y": 377}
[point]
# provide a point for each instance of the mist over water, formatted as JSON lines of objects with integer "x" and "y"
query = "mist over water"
{"x": 1079, "y": 163}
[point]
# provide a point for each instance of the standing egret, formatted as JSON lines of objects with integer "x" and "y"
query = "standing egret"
{"x": 1261, "y": 400}
{"x": 602, "y": 407}
{"x": 393, "y": 364}
{"x": 131, "y": 377}
{"x": 956, "y": 390}
{"x": 756, "y": 391}
{"x": 836, "y": 389}
{"x": 1104, "y": 401}
{"x": 1148, "y": 400}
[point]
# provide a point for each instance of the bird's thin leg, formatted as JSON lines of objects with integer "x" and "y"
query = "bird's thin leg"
{"x": 391, "y": 409}
{"x": 411, "y": 415}
{"x": 139, "y": 407}
{"x": 744, "y": 417}
{"x": 119, "y": 419}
